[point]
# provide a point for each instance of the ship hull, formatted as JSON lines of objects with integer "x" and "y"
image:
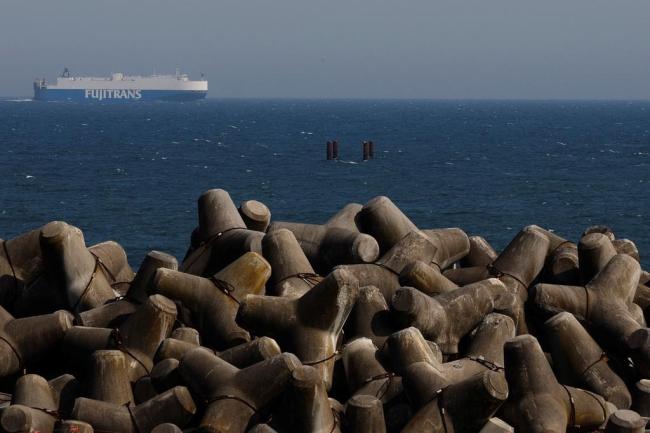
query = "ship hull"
{"x": 116, "y": 95}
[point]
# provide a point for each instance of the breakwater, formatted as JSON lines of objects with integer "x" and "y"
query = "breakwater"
{"x": 366, "y": 323}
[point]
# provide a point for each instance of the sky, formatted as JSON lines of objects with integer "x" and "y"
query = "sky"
{"x": 448, "y": 49}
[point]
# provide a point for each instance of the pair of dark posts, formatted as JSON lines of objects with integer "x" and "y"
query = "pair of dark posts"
{"x": 333, "y": 150}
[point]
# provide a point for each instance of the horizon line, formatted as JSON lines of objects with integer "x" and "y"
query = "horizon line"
{"x": 373, "y": 98}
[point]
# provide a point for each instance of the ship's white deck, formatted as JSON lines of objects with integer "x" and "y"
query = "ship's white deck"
{"x": 156, "y": 82}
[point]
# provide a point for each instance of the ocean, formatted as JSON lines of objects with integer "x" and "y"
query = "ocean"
{"x": 133, "y": 173}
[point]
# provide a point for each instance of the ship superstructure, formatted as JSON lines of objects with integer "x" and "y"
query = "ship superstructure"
{"x": 121, "y": 88}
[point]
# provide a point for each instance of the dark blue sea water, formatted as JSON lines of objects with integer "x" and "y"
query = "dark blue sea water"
{"x": 133, "y": 173}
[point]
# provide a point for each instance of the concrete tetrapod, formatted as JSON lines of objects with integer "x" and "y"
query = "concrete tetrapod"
{"x": 66, "y": 388}
{"x": 562, "y": 267}
{"x": 555, "y": 241}
{"x": 109, "y": 379}
{"x": 308, "y": 326}
{"x": 222, "y": 236}
{"x": 625, "y": 421}
{"x": 137, "y": 293}
{"x": 326, "y": 247}
{"x": 247, "y": 354}
{"x": 79, "y": 343}
{"x": 175, "y": 406}
{"x": 255, "y": 214}
{"x": 519, "y": 269}
{"x": 338, "y": 241}
{"x": 310, "y": 407}
{"x": 81, "y": 275}
{"x": 346, "y": 218}
{"x": 446, "y": 318}
{"x": 53, "y": 398}
{"x": 595, "y": 250}
{"x": 292, "y": 274}
{"x": 474, "y": 264}
{"x": 33, "y": 407}
{"x": 21, "y": 263}
{"x": 115, "y": 263}
{"x": 173, "y": 348}
{"x": 452, "y": 244}
{"x": 370, "y": 317}
{"x": 165, "y": 375}
{"x": 107, "y": 315}
{"x": 384, "y": 221}
{"x": 365, "y": 375}
{"x": 519, "y": 265}
{"x": 26, "y": 340}
{"x": 240, "y": 356}
{"x": 561, "y": 257}
{"x": 562, "y": 260}
{"x": 214, "y": 302}
{"x": 234, "y": 396}
{"x": 473, "y": 401}
{"x": 216, "y": 213}
{"x": 408, "y": 346}
{"x": 465, "y": 276}
{"x": 537, "y": 402}
{"x": 485, "y": 351}
{"x": 577, "y": 358}
{"x": 622, "y": 246}
{"x": 463, "y": 407}
{"x": 365, "y": 414}
{"x": 426, "y": 278}
{"x": 143, "y": 389}
{"x": 480, "y": 253}
{"x": 142, "y": 333}
{"x": 384, "y": 274}
{"x": 605, "y": 303}
{"x": 626, "y": 246}
{"x": 29, "y": 290}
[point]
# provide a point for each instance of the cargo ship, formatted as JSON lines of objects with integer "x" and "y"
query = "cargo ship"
{"x": 121, "y": 88}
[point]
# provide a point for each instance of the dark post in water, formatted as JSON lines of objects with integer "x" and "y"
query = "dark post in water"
{"x": 335, "y": 149}
{"x": 366, "y": 150}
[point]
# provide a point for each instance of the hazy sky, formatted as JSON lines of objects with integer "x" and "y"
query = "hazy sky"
{"x": 340, "y": 48}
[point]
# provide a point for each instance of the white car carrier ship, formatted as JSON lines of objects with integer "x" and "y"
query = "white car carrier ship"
{"x": 121, "y": 88}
